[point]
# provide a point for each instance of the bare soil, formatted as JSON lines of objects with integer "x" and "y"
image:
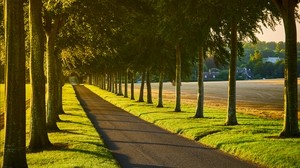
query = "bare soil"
{"x": 257, "y": 97}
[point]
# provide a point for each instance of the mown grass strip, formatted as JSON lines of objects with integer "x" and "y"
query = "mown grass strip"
{"x": 255, "y": 139}
{"x": 77, "y": 144}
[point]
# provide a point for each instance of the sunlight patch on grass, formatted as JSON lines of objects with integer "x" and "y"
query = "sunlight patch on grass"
{"x": 77, "y": 144}
{"x": 252, "y": 140}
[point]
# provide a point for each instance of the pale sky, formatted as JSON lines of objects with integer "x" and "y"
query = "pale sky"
{"x": 278, "y": 35}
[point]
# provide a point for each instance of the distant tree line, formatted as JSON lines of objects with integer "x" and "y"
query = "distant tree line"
{"x": 263, "y": 60}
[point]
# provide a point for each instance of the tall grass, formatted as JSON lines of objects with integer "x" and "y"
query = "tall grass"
{"x": 255, "y": 139}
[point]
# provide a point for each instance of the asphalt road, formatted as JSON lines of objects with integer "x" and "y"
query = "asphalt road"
{"x": 136, "y": 143}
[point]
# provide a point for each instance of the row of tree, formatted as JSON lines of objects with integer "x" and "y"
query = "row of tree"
{"x": 160, "y": 29}
{"x": 37, "y": 38}
{"x": 109, "y": 37}
{"x": 203, "y": 27}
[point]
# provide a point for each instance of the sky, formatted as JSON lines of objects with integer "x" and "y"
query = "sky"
{"x": 276, "y": 36}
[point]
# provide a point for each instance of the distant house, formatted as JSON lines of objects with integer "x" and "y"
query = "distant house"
{"x": 211, "y": 74}
{"x": 271, "y": 59}
{"x": 244, "y": 73}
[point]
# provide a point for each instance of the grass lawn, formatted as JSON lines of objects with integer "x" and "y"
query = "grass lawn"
{"x": 77, "y": 144}
{"x": 255, "y": 139}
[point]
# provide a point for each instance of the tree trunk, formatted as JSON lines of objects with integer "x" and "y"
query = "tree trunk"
{"x": 89, "y": 79}
{"x": 15, "y": 111}
{"x": 132, "y": 87}
{"x": 52, "y": 77}
{"x": 290, "y": 126}
{"x": 95, "y": 77}
{"x": 231, "y": 111}
{"x": 120, "y": 92}
{"x": 160, "y": 90}
{"x": 116, "y": 83}
{"x": 200, "y": 103}
{"x": 178, "y": 79}
{"x": 52, "y": 87}
{"x": 38, "y": 133}
{"x": 149, "y": 92}
{"x": 108, "y": 83}
{"x": 126, "y": 85}
{"x": 61, "y": 83}
{"x": 112, "y": 80}
{"x": 104, "y": 82}
{"x": 141, "y": 98}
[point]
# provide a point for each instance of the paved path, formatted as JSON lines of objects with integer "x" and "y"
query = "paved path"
{"x": 136, "y": 143}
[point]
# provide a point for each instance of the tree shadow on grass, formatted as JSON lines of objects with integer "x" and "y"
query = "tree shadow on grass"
{"x": 200, "y": 118}
{"x": 218, "y": 146}
{"x": 73, "y": 131}
{"x": 74, "y": 122}
{"x": 93, "y": 143}
{"x": 72, "y": 114}
{"x": 165, "y": 112}
{"x": 65, "y": 147}
{"x": 52, "y": 147}
{"x": 279, "y": 137}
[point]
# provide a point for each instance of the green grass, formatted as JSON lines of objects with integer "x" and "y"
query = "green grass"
{"x": 255, "y": 139}
{"x": 77, "y": 144}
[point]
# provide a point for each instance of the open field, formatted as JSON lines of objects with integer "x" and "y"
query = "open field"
{"x": 259, "y": 97}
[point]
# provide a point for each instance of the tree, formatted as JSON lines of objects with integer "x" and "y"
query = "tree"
{"x": 201, "y": 21}
{"x": 38, "y": 132}
{"x": 141, "y": 97}
{"x": 61, "y": 83}
{"x": 178, "y": 79}
{"x": 55, "y": 17}
{"x": 231, "y": 111}
{"x": 52, "y": 27}
{"x": 15, "y": 127}
{"x": 200, "y": 98}
{"x": 186, "y": 25}
{"x": 287, "y": 10}
{"x": 148, "y": 83}
{"x": 120, "y": 93}
{"x": 132, "y": 86}
{"x": 160, "y": 90}
{"x": 256, "y": 57}
{"x": 174, "y": 30}
{"x": 239, "y": 21}
{"x": 126, "y": 83}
